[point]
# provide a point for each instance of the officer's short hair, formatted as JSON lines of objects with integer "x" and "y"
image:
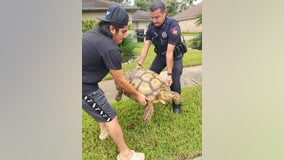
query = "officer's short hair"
{"x": 156, "y": 5}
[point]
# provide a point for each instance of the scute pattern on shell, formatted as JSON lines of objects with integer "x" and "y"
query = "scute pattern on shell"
{"x": 146, "y": 82}
{"x": 152, "y": 86}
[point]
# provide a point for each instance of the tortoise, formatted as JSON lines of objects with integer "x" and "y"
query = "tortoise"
{"x": 152, "y": 86}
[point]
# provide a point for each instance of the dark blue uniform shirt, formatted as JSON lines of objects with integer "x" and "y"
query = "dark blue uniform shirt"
{"x": 168, "y": 32}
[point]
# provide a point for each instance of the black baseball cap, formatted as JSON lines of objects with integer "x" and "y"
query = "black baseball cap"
{"x": 116, "y": 14}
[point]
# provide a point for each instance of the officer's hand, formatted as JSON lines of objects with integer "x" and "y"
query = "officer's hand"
{"x": 139, "y": 66}
{"x": 169, "y": 80}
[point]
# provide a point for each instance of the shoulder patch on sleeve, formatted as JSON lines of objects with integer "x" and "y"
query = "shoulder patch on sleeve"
{"x": 174, "y": 30}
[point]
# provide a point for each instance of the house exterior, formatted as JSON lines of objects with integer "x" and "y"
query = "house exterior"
{"x": 141, "y": 20}
{"x": 187, "y": 19}
{"x": 93, "y": 9}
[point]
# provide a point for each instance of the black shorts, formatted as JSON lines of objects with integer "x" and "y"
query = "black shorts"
{"x": 96, "y": 105}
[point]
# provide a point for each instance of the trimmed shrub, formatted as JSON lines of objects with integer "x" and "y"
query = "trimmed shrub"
{"x": 127, "y": 48}
{"x": 88, "y": 24}
{"x": 196, "y": 43}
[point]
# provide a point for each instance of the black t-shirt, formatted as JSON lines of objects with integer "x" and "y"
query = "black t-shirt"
{"x": 167, "y": 33}
{"x": 99, "y": 55}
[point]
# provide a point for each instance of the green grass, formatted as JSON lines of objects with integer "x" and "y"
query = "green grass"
{"x": 167, "y": 137}
{"x": 190, "y": 33}
{"x": 190, "y": 58}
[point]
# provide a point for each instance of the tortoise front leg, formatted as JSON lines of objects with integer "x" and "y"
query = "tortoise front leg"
{"x": 119, "y": 92}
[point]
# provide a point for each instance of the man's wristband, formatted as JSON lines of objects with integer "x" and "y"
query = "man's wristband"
{"x": 169, "y": 74}
{"x": 139, "y": 64}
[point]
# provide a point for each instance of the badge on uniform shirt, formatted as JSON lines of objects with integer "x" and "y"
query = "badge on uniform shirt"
{"x": 164, "y": 35}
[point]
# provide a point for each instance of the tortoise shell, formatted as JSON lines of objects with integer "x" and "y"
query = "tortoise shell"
{"x": 146, "y": 82}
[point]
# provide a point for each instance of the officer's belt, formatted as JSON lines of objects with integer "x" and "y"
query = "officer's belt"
{"x": 164, "y": 53}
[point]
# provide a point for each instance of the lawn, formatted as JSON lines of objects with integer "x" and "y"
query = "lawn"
{"x": 167, "y": 137}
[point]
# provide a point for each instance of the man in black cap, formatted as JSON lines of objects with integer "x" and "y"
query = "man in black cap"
{"x": 164, "y": 33}
{"x": 100, "y": 56}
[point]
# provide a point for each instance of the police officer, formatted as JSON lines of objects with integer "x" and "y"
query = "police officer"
{"x": 164, "y": 33}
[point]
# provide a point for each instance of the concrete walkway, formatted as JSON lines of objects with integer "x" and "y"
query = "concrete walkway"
{"x": 189, "y": 77}
{"x": 188, "y": 37}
